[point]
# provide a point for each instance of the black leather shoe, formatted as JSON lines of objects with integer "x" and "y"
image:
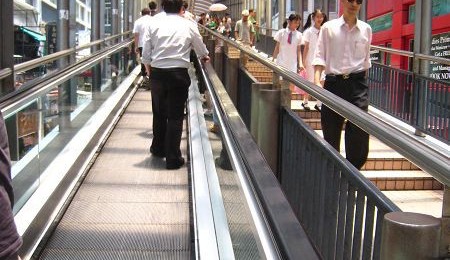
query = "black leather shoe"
{"x": 305, "y": 106}
{"x": 316, "y": 107}
{"x": 173, "y": 165}
{"x": 157, "y": 153}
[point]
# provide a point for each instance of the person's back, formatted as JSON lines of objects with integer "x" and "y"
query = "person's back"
{"x": 177, "y": 40}
{"x": 166, "y": 56}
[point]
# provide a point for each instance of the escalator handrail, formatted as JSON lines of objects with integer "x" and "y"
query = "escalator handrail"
{"x": 11, "y": 103}
{"x": 31, "y": 64}
{"x": 280, "y": 233}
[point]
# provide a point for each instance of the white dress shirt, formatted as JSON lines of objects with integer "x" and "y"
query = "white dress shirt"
{"x": 139, "y": 27}
{"x": 168, "y": 42}
{"x": 342, "y": 50}
{"x": 287, "y": 55}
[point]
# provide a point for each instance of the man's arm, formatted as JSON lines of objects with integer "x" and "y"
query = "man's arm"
{"x": 136, "y": 42}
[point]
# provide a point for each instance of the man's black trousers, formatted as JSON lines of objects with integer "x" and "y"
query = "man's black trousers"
{"x": 169, "y": 94}
{"x": 355, "y": 91}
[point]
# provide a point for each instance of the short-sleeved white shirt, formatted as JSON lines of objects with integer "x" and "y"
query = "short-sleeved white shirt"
{"x": 287, "y": 56}
{"x": 139, "y": 27}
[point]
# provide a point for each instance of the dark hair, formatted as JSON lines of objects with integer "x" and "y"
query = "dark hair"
{"x": 185, "y": 5}
{"x": 251, "y": 11}
{"x": 152, "y": 5}
{"x": 145, "y": 11}
{"x": 285, "y": 24}
{"x": 294, "y": 17}
{"x": 172, "y": 6}
{"x": 311, "y": 17}
{"x": 308, "y": 22}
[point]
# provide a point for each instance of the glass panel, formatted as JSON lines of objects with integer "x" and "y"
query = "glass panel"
{"x": 40, "y": 130}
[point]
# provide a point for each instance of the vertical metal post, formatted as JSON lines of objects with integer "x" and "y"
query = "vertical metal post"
{"x": 95, "y": 35}
{"x": 281, "y": 13}
{"x": 72, "y": 44}
{"x": 269, "y": 17}
{"x": 125, "y": 16}
{"x": 6, "y": 45}
{"x": 422, "y": 42}
{"x": 363, "y": 12}
{"x": 425, "y": 45}
{"x": 325, "y": 7}
{"x": 300, "y": 10}
{"x": 411, "y": 236}
{"x": 62, "y": 29}
{"x": 115, "y": 31}
{"x": 7, "y": 62}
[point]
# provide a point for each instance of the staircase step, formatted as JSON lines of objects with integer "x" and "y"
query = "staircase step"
{"x": 427, "y": 202}
{"x": 378, "y": 164}
{"x": 314, "y": 123}
{"x": 402, "y": 180}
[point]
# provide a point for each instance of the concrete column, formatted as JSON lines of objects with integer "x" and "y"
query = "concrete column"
{"x": 444, "y": 250}
{"x": 410, "y": 236}
{"x": 325, "y": 8}
{"x": 256, "y": 97}
{"x": 269, "y": 114}
{"x": 281, "y": 13}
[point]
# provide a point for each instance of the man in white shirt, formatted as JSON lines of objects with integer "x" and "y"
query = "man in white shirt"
{"x": 244, "y": 30}
{"x": 138, "y": 30}
{"x": 343, "y": 52}
{"x": 166, "y": 54}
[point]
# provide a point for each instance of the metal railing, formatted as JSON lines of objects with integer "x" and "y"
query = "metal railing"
{"x": 31, "y": 64}
{"x": 395, "y": 91}
{"x": 310, "y": 174}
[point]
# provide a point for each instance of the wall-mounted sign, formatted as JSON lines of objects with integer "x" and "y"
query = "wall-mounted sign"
{"x": 440, "y": 47}
{"x": 381, "y": 23}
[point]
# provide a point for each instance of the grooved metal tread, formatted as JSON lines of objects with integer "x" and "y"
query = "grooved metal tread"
{"x": 129, "y": 206}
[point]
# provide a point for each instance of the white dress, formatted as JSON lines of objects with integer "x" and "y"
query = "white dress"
{"x": 287, "y": 55}
{"x": 310, "y": 36}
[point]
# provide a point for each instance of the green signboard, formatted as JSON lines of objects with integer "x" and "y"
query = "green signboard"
{"x": 440, "y": 7}
{"x": 381, "y": 23}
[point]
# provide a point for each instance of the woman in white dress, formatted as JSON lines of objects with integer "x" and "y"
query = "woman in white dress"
{"x": 287, "y": 50}
{"x": 310, "y": 36}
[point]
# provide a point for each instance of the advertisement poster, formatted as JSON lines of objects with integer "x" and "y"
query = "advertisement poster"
{"x": 440, "y": 47}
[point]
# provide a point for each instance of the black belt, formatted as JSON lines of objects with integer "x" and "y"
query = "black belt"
{"x": 153, "y": 69}
{"x": 357, "y": 75}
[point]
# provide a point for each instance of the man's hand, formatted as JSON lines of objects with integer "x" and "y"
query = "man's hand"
{"x": 300, "y": 68}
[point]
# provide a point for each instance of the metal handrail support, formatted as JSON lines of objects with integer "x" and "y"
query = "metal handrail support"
{"x": 291, "y": 237}
{"x": 420, "y": 154}
{"x": 54, "y": 56}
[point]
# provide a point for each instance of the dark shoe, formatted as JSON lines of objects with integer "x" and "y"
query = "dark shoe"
{"x": 316, "y": 107}
{"x": 173, "y": 165}
{"x": 157, "y": 153}
{"x": 224, "y": 164}
{"x": 305, "y": 106}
